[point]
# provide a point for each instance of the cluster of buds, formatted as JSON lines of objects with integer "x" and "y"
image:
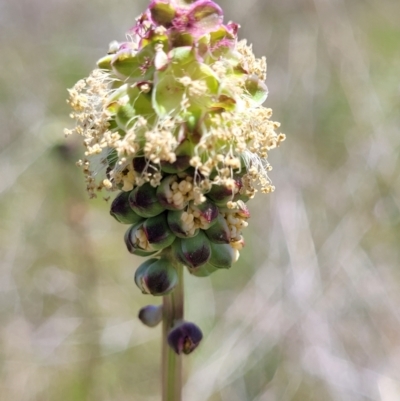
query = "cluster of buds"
{"x": 204, "y": 236}
{"x": 174, "y": 118}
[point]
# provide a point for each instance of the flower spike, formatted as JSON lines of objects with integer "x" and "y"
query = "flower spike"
{"x": 173, "y": 119}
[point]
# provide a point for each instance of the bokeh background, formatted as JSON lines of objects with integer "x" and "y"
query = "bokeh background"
{"x": 312, "y": 309}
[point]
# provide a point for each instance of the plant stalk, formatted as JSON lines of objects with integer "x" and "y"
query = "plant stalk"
{"x": 173, "y": 309}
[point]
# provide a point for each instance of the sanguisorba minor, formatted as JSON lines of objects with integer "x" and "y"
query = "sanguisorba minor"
{"x": 172, "y": 119}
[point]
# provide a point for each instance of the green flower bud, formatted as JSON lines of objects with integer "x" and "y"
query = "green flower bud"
{"x": 256, "y": 89}
{"x": 121, "y": 210}
{"x": 219, "y": 233}
{"x": 151, "y": 315}
{"x": 184, "y": 337}
{"x": 144, "y": 201}
{"x": 157, "y": 232}
{"x": 192, "y": 252}
{"x": 222, "y": 256}
{"x": 158, "y": 277}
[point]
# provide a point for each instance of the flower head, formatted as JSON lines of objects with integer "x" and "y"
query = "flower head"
{"x": 173, "y": 117}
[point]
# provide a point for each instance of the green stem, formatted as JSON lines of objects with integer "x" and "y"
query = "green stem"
{"x": 173, "y": 308}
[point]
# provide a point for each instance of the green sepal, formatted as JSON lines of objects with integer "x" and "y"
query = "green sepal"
{"x": 203, "y": 270}
{"x": 140, "y": 101}
{"x": 182, "y": 55}
{"x": 168, "y": 91}
{"x": 125, "y": 116}
{"x": 105, "y": 62}
{"x": 133, "y": 66}
{"x": 162, "y": 13}
{"x": 222, "y": 256}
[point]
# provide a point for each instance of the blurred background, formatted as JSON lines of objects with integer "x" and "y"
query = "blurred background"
{"x": 312, "y": 309}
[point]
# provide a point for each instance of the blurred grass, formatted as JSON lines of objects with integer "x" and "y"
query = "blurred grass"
{"x": 310, "y": 312}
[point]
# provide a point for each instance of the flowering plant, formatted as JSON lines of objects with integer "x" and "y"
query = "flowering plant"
{"x": 174, "y": 118}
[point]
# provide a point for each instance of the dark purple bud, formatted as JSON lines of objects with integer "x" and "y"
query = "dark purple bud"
{"x": 122, "y": 211}
{"x": 151, "y": 315}
{"x": 184, "y": 338}
{"x": 141, "y": 164}
{"x": 221, "y": 194}
{"x": 141, "y": 271}
{"x": 143, "y": 200}
{"x": 158, "y": 278}
{"x": 196, "y": 250}
{"x": 158, "y": 232}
